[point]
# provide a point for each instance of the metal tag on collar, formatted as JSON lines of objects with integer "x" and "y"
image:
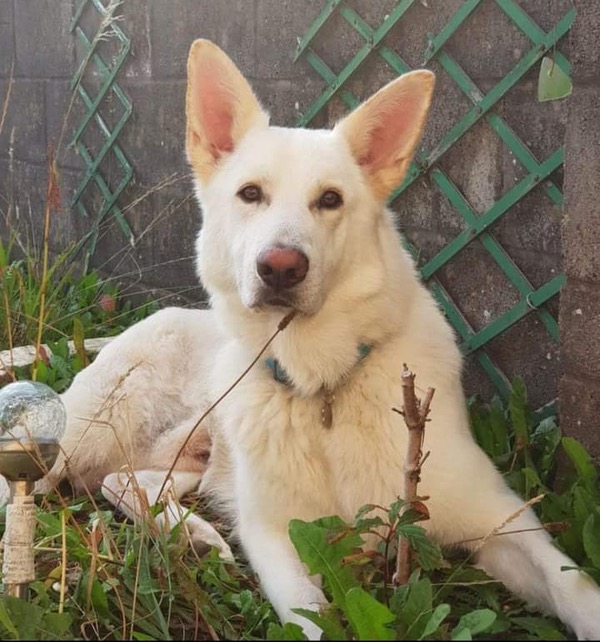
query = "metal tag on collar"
{"x": 327, "y": 408}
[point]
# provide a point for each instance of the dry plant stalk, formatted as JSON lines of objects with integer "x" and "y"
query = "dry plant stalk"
{"x": 415, "y": 415}
{"x": 282, "y": 325}
{"x": 52, "y": 205}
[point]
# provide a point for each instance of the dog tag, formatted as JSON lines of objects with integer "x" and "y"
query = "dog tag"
{"x": 327, "y": 409}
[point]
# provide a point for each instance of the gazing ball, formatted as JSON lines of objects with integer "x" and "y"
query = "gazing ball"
{"x": 30, "y": 410}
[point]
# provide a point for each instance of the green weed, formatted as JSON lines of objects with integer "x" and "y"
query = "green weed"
{"x": 78, "y": 305}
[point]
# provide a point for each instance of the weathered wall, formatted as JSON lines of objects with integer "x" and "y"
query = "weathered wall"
{"x": 580, "y": 299}
{"x": 37, "y": 48}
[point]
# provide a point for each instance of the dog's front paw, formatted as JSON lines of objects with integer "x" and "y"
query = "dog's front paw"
{"x": 203, "y": 535}
{"x": 579, "y": 606}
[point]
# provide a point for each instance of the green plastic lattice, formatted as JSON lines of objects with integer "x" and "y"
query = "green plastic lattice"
{"x": 477, "y": 226}
{"x": 95, "y": 182}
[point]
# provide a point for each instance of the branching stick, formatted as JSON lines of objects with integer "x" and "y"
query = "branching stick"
{"x": 415, "y": 415}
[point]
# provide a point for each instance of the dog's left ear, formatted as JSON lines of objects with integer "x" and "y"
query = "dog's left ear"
{"x": 220, "y": 107}
{"x": 384, "y": 131}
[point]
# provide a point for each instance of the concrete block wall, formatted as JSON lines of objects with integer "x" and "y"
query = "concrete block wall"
{"x": 580, "y": 299}
{"x": 40, "y": 55}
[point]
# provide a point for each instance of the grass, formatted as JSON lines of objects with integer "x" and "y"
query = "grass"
{"x": 68, "y": 305}
{"x": 74, "y": 303}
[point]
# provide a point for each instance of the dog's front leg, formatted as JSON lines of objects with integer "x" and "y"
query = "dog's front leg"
{"x": 133, "y": 493}
{"x": 282, "y": 575}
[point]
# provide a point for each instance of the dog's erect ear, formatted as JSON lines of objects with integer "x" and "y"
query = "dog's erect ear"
{"x": 220, "y": 107}
{"x": 384, "y": 131}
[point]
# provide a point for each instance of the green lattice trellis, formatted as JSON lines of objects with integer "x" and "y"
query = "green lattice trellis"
{"x": 106, "y": 71}
{"x": 531, "y": 300}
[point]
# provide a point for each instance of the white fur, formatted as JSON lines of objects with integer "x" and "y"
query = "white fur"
{"x": 271, "y": 458}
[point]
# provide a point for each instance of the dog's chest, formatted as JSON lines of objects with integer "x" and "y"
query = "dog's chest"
{"x": 365, "y": 446}
{"x": 357, "y": 460}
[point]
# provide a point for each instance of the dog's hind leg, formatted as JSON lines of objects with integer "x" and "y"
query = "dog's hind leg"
{"x": 529, "y": 564}
{"x": 133, "y": 493}
{"x": 510, "y": 544}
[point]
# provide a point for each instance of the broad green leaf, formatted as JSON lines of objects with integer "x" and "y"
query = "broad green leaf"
{"x": 6, "y": 621}
{"x": 533, "y": 478}
{"x": 481, "y": 429}
{"x": 591, "y": 538}
{"x": 542, "y": 628}
{"x": 474, "y": 623}
{"x": 581, "y": 460}
{"x": 546, "y": 437}
{"x": 57, "y": 625}
{"x": 582, "y": 506}
{"x": 289, "y": 631}
{"x": 553, "y": 82}
{"x": 412, "y": 605}
{"x": 147, "y": 584}
{"x": 439, "y": 614}
{"x": 98, "y": 597}
{"x": 323, "y": 557}
{"x": 327, "y": 619}
{"x": 428, "y": 552}
{"x": 25, "y": 617}
{"x": 368, "y": 617}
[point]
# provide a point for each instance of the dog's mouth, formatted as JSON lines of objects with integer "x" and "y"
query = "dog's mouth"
{"x": 270, "y": 299}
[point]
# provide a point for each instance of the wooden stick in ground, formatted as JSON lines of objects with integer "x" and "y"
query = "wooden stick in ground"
{"x": 415, "y": 415}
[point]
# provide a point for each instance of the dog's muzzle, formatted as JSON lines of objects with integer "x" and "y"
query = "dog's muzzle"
{"x": 280, "y": 269}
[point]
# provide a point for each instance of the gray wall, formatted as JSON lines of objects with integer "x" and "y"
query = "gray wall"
{"x": 260, "y": 35}
{"x": 580, "y": 299}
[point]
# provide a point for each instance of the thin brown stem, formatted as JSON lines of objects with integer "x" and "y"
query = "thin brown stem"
{"x": 415, "y": 415}
{"x": 282, "y": 325}
{"x": 52, "y": 203}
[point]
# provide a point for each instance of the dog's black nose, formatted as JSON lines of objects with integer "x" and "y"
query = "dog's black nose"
{"x": 282, "y": 267}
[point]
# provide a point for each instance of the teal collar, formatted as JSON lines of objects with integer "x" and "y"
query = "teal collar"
{"x": 281, "y": 376}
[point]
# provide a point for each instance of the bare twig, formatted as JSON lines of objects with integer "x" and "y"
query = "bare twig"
{"x": 415, "y": 415}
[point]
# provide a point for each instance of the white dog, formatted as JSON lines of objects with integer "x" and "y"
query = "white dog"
{"x": 295, "y": 220}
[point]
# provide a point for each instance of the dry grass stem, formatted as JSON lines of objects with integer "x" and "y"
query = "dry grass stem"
{"x": 283, "y": 324}
{"x": 63, "y": 570}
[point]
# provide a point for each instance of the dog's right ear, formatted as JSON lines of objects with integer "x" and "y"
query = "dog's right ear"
{"x": 220, "y": 107}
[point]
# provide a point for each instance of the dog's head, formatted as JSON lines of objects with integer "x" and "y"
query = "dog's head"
{"x": 280, "y": 205}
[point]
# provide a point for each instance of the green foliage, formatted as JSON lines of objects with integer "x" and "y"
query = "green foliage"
{"x": 129, "y": 581}
{"x": 529, "y": 463}
{"x": 76, "y": 305}
{"x": 364, "y": 606}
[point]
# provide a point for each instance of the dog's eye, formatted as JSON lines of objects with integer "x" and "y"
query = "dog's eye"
{"x": 251, "y": 194}
{"x": 330, "y": 200}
